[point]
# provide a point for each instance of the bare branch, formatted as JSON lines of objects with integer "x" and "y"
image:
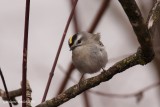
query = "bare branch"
{"x": 5, "y": 87}
{"x": 25, "y": 51}
{"x": 140, "y": 28}
{"x": 16, "y": 93}
{"x": 114, "y": 95}
{"x": 12, "y": 94}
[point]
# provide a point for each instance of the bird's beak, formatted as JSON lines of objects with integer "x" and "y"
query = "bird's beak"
{"x": 72, "y": 48}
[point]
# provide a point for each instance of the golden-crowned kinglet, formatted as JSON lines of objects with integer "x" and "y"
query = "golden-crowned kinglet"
{"x": 88, "y": 52}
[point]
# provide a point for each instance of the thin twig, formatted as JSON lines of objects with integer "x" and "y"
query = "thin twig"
{"x": 71, "y": 66}
{"x": 58, "y": 52}
{"x": 76, "y": 29}
{"x": 12, "y": 94}
{"x": 75, "y": 18}
{"x": 25, "y": 51}
{"x": 101, "y": 11}
{"x": 67, "y": 77}
{"x": 134, "y": 94}
{"x": 70, "y": 78}
{"x": 5, "y": 87}
{"x": 138, "y": 95}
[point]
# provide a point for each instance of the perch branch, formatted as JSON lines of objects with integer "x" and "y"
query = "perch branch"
{"x": 113, "y": 95}
{"x": 94, "y": 81}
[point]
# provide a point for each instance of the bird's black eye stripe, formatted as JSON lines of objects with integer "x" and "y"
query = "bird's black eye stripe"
{"x": 74, "y": 37}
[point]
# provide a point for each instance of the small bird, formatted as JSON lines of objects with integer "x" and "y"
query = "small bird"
{"x": 88, "y": 52}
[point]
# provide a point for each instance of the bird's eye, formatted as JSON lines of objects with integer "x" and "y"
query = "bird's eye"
{"x": 79, "y": 41}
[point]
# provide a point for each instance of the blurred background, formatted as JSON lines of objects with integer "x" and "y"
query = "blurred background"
{"x": 47, "y": 22}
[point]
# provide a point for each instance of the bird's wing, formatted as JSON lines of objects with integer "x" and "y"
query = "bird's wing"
{"x": 96, "y": 36}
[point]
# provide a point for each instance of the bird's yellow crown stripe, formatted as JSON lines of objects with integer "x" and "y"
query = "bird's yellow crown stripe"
{"x": 70, "y": 40}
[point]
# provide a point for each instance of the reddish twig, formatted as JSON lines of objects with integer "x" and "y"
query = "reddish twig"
{"x": 25, "y": 47}
{"x": 101, "y": 11}
{"x": 71, "y": 66}
{"x": 75, "y": 20}
{"x": 138, "y": 94}
{"x": 67, "y": 77}
{"x": 70, "y": 78}
{"x": 5, "y": 87}
{"x": 76, "y": 29}
{"x": 58, "y": 52}
{"x": 86, "y": 99}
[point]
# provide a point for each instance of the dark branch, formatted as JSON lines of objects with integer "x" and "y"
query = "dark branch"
{"x": 16, "y": 93}
{"x": 5, "y": 87}
{"x": 25, "y": 51}
{"x": 140, "y": 29}
{"x": 114, "y": 95}
{"x": 12, "y": 94}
